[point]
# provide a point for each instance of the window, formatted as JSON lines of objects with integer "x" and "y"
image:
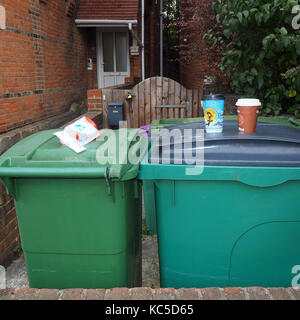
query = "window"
{"x": 115, "y": 51}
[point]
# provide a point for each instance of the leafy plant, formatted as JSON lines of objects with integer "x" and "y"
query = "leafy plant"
{"x": 17, "y": 249}
{"x": 144, "y": 230}
{"x": 292, "y": 77}
{"x": 261, "y": 51}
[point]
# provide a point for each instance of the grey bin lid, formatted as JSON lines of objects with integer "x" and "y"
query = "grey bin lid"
{"x": 271, "y": 146}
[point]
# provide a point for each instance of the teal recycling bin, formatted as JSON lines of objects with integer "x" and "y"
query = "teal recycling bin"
{"x": 157, "y": 126}
{"x": 236, "y": 223}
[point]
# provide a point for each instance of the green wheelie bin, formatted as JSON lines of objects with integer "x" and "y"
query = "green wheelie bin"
{"x": 79, "y": 221}
{"x": 233, "y": 219}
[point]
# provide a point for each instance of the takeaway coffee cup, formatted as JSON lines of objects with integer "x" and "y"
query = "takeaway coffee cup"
{"x": 248, "y": 110}
{"x": 213, "y": 109}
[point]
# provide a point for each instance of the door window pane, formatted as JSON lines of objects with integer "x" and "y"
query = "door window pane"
{"x": 121, "y": 51}
{"x": 108, "y": 51}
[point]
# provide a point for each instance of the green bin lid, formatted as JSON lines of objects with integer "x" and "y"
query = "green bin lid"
{"x": 43, "y": 155}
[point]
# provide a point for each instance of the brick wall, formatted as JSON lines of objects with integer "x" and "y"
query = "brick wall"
{"x": 9, "y": 233}
{"x": 135, "y": 69}
{"x": 205, "y": 61}
{"x": 192, "y": 75}
{"x": 43, "y": 70}
{"x": 42, "y": 61}
{"x": 95, "y": 101}
{"x": 152, "y": 38}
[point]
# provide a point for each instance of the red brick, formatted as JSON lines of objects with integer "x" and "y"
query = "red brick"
{"x": 148, "y": 294}
{"x": 295, "y": 292}
{"x": 187, "y": 294}
{"x": 95, "y": 294}
{"x": 117, "y": 294}
{"x": 164, "y": 294}
{"x": 279, "y": 294}
{"x": 98, "y": 106}
{"x": 48, "y": 294}
{"x": 234, "y": 294}
{"x": 72, "y": 294}
{"x": 192, "y": 74}
{"x": 257, "y": 293}
{"x": 94, "y": 93}
{"x": 26, "y": 294}
{"x": 94, "y": 100}
{"x": 27, "y": 64}
{"x": 211, "y": 294}
{"x": 7, "y": 294}
{"x": 141, "y": 294}
{"x": 107, "y": 9}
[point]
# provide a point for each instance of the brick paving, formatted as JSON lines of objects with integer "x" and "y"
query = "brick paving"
{"x": 253, "y": 293}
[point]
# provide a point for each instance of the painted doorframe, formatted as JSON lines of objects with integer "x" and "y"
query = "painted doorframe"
{"x": 100, "y": 64}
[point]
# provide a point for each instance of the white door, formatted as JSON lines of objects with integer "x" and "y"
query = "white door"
{"x": 113, "y": 58}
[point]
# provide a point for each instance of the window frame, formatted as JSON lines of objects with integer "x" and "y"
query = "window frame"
{"x": 100, "y": 62}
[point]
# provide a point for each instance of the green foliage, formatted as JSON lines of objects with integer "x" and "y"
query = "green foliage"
{"x": 144, "y": 230}
{"x": 292, "y": 77}
{"x": 17, "y": 249}
{"x": 261, "y": 51}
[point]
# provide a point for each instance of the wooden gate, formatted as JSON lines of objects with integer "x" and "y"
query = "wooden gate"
{"x": 148, "y": 95}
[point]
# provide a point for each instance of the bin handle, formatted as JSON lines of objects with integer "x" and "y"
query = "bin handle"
{"x": 8, "y": 175}
{"x": 31, "y": 172}
{"x": 109, "y": 185}
{"x": 261, "y": 179}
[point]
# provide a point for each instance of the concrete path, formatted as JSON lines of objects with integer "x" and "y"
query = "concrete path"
{"x": 150, "y": 266}
{"x": 16, "y": 274}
